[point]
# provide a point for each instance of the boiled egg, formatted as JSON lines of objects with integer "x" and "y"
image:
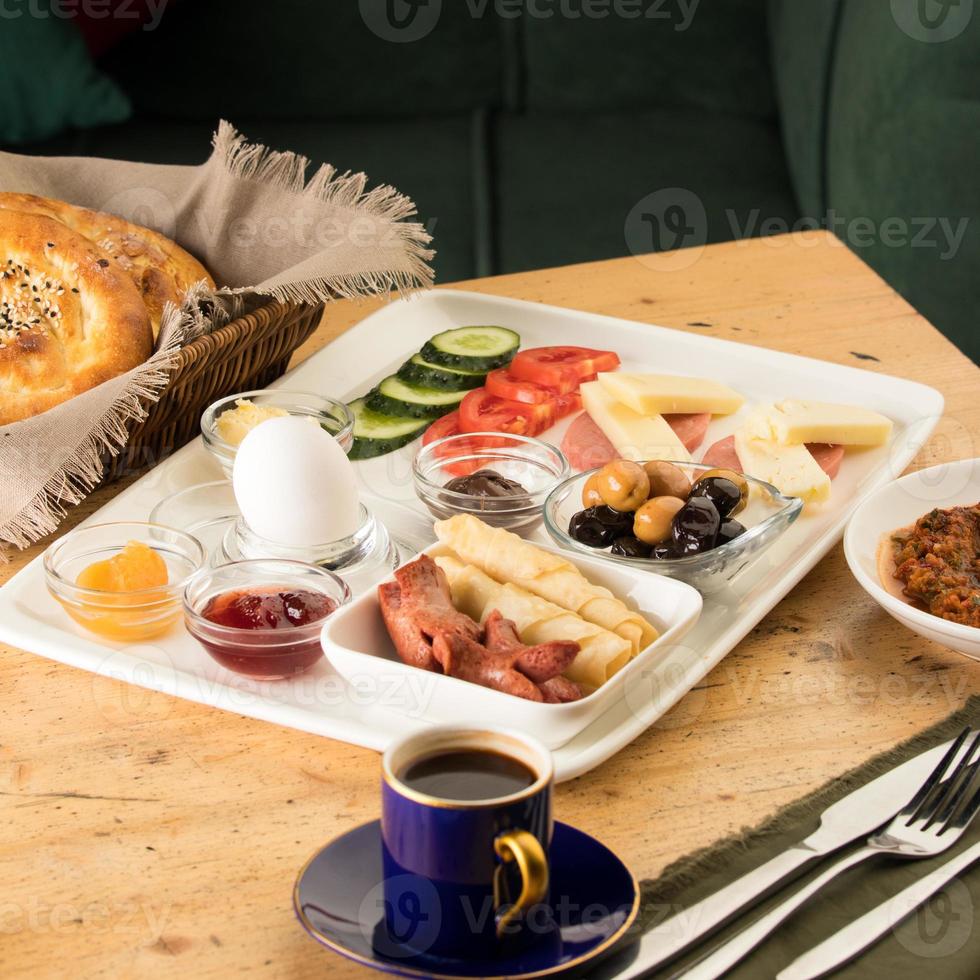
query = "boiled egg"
{"x": 294, "y": 484}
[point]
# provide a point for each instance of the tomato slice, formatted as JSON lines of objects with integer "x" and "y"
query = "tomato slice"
{"x": 505, "y": 384}
{"x": 564, "y": 368}
{"x": 448, "y": 425}
{"x": 482, "y": 412}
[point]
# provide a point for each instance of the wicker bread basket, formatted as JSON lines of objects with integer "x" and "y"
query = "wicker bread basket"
{"x": 249, "y": 352}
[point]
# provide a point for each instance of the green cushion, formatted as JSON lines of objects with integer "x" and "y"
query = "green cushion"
{"x": 309, "y": 59}
{"x": 568, "y": 185}
{"x": 802, "y": 41}
{"x": 433, "y": 165}
{"x": 711, "y": 55}
{"x": 904, "y": 142}
{"x": 48, "y": 81}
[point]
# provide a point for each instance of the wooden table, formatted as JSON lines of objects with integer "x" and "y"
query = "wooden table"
{"x": 142, "y": 835}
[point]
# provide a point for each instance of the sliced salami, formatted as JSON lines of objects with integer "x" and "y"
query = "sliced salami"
{"x": 690, "y": 429}
{"x": 722, "y": 455}
{"x": 586, "y": 445}
{"x": 828, "y": 456}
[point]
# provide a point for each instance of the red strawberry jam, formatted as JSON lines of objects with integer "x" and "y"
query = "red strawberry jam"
{"x": 257, "y": 609}
{"x": 267, "y": 611}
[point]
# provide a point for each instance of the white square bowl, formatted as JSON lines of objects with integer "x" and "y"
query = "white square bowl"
{"x": 357, "y": 644}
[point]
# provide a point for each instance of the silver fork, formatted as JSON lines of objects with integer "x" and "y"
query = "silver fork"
{"x": 932, "y": 821}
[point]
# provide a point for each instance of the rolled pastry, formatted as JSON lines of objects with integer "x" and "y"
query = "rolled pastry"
{"x": 506, "y": 557}
{"x": 601, "y": 653}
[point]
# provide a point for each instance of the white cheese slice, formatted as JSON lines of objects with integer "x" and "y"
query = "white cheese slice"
{"x": 635, "y": 436}
{"x": 791, "y": 469}
{"x": 796, "y": 421}
{"x": 666, "y": 394}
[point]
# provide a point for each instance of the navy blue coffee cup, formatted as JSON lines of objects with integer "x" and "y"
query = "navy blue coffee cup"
{"x": 465, "y": 878}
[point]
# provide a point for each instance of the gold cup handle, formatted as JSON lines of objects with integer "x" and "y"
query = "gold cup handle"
{"x": 526, "y": 850}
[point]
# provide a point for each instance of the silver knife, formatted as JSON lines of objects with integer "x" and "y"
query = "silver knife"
{"x": 859, "y": 935}
{"x": 857, "y": 815}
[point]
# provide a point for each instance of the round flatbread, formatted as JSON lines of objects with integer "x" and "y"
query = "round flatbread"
{"x": 70, "y": 318}
{"x": 162, "y": 271}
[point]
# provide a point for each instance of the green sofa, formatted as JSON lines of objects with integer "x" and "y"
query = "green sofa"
{"x": 585, "y": 129}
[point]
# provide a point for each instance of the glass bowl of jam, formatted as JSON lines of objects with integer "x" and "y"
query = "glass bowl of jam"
{"x": 227, "y": 421}
{"x": 123, "y": 581}
{"x": 263, "y": 617}
{"x": 502, "y": 479}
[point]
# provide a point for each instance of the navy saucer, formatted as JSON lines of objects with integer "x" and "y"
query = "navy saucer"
{"x": 594, "y": 899}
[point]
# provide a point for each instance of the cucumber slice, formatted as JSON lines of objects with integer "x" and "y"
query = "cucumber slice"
{"x": 418, "y": 371}
{"x": 396, "y": 397}
{"x": 472, "y": 348}
{"x": 376, "y": 434}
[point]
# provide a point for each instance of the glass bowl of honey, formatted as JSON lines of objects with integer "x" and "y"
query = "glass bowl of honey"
{"x": 226, "y": 423}
{"x": 263, "y": 617}
{"x": 123, "y": 581}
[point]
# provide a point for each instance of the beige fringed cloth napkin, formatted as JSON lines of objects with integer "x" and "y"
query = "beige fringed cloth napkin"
{"x": 262, "y": 230}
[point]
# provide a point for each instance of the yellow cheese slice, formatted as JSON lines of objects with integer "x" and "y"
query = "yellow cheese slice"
{"x": 791, "y": 469}
{"x": 666, "y": 394}
{"x": 635, "y": 436}
{"x": 797, "y": 421}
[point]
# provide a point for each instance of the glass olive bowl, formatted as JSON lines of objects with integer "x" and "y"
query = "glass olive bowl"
{"x": 768, "y": 514}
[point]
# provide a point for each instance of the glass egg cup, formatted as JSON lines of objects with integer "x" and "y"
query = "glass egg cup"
{"x": 210, "y": 512}
{"x": 769, "y": 513}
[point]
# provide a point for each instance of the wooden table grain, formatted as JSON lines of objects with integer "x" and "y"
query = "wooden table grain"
{"x": 142, "y": 835}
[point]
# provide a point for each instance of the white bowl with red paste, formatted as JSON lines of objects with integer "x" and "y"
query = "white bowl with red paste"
{"x": 899, "y": 505}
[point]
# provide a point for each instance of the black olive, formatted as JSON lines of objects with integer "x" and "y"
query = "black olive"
{"x": 620, "y": 521}
{"x": 730, "y": 529}
{"x": 586, "y": 528}
{"x": 695, "y": 526}
{"x": 664, "y": 552}
{"x": 723, "y": 493}
{"x": 630, "y": 547}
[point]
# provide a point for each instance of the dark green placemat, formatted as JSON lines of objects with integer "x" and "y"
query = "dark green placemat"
{"x": 942, "y": 939}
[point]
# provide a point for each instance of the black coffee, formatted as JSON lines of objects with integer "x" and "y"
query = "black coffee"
{"x": 468, "y": 774}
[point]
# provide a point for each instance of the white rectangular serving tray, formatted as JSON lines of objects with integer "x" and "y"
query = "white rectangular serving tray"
{"x": 320, "y": 701}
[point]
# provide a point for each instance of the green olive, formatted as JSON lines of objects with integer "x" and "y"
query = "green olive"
{"x": 590, "y": 492}
{"x": 652, "y": 522}
{"x": 667, "y": 480}
{"x": 623, "y": 485}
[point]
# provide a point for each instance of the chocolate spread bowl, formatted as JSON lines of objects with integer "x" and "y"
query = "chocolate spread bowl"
{"x": 502, "y": 479}
{"x": 898, "y": 505}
